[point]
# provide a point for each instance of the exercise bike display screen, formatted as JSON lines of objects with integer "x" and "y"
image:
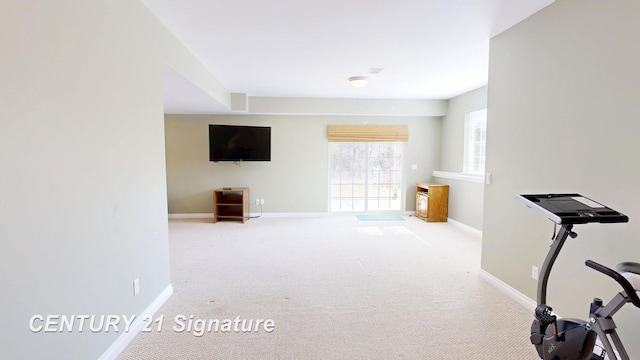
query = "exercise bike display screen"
{"x": 572, "y": 209}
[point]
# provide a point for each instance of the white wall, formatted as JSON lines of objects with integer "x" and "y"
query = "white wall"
{"x": 83, "y": 209}
{"x": 466, "y": 199}
{"x": 563, "y": 117}
{"x": 296, "y": 179}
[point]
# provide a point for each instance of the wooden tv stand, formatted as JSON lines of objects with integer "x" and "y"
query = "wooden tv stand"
{"x": 231, "y": 203}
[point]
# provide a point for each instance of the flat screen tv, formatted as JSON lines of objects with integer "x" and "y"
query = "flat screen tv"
{"x": 239, "y": 143}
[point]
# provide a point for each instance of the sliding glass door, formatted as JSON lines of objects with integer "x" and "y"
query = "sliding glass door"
{"x": 366, "y": 176}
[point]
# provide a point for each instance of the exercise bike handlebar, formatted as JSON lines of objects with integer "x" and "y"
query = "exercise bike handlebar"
{"x": 626, "y": 285}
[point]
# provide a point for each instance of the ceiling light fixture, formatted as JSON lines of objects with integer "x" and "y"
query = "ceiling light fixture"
{"x": 359, "y": 81}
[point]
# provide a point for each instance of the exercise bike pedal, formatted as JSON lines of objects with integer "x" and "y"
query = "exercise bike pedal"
{"x": 544, "y": 314}
{"x": 543, "y": 317}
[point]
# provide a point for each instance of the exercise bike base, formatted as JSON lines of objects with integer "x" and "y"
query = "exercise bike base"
{"x": 573, "y": 342}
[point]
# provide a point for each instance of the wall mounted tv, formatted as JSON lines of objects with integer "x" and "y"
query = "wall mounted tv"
{"x": 239, "y": 143}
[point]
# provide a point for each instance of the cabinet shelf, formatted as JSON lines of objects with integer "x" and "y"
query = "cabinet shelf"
{"x": 231, "y": 203}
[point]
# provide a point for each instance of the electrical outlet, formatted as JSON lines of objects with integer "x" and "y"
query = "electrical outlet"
{"x": 257, "y": 201}
{"x": 136, "y": 287}
{"x": 534, "y": 272}
{"x": 261, "y": 201}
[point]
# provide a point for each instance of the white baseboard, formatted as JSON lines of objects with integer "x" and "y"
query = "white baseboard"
{"x": 265, "y": 215}
{"x": 466, "y": 227}
{"x": 123, "y": 340}
{"x": 191, "y": 216}
{"x": 509, "y": 291}
{"x": 297, "y": 214}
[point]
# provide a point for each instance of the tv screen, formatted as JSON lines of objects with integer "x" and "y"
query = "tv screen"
{"x": 239, "y": 143}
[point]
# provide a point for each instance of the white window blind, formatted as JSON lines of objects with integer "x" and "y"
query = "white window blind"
{"x": 368, "y": 133}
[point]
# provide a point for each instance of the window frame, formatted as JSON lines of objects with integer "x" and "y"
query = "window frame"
{"x": 475, "y": 142}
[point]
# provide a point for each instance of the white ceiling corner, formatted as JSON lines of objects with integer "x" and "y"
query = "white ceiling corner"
{"x": 428, "y": 49}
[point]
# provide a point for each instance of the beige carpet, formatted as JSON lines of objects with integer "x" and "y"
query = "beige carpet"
{"x": 335, "y": 288}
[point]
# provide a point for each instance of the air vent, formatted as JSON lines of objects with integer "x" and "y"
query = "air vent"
{"x": 375, "y": 70}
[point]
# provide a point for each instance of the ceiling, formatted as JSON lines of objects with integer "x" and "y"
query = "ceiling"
{"x": 426, "y": 49}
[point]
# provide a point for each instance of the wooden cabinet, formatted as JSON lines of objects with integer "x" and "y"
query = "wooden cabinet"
{"x": 432, "y": 202}
{"x": 231, "y": 203}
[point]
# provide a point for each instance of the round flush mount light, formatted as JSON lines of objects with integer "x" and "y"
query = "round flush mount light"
{"x": 359, "y": 81}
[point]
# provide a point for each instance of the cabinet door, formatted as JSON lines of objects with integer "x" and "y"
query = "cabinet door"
{"x": 422, "y": 202}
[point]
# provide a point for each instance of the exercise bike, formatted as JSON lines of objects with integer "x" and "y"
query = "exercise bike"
{"x": 574, "y": 339}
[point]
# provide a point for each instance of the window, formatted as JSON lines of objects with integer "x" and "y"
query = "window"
{"x": 475, "y": 135}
